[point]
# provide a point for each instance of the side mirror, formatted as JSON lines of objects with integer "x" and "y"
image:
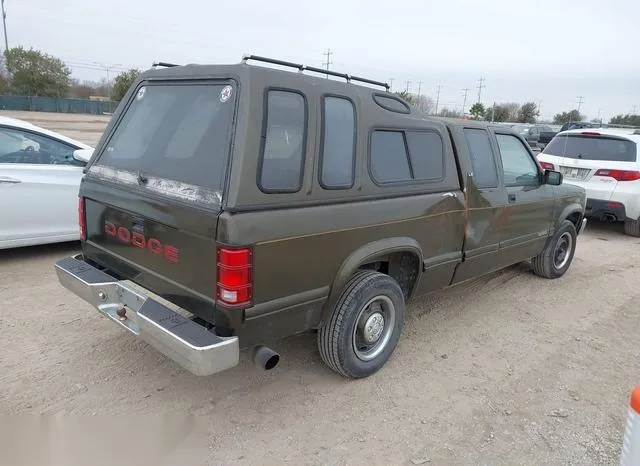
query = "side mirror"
{"x": 82, "y": 155}
{"x": 553, "y": 177}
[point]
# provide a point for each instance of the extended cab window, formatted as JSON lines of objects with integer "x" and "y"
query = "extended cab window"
{"x": 406, "y": 156}
{"x": 338, "y": 143}
{"x": 177, "y": 132}
{"x": 483, "y": 162}
{"x": 518, "y": 166}
{"x": 285, "y": 142}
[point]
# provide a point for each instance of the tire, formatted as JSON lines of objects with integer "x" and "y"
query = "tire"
{"x": 632, "y": 227}
{"x": 342, "y": 341}
{"x": 551, "y": 263}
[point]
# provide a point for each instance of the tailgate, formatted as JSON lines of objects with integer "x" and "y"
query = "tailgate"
{"x": 164, "y": 247}
{"x": 154, "y": 192}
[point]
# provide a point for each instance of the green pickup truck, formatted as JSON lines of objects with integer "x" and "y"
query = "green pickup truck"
{"x": 229, "y": 206}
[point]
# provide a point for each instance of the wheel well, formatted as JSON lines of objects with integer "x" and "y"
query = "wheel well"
{"x": 575, "y": 218}
{"x": 403, "y": 267}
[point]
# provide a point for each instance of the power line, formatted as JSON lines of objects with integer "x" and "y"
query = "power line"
{"x": 328, "y": 54}
{"x": 480, "y": 87}
{"x": 464, "y": 103}
{"x": 438, "y": 97}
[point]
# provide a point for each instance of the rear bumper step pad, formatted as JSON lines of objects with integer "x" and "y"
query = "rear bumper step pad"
{"x": 142, "y": 313}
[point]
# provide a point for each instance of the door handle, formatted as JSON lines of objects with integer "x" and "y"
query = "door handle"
{"x": 512, "y": 198}
{"x": 6, "y": 179}
{"x": 449, "y": 195}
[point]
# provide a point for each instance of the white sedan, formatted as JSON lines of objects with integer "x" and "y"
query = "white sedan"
{"x": 40, "y": 174}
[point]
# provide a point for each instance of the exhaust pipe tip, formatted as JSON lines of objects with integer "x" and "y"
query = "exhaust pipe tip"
{"x": 264, "y": 357}
{"x": 609, "y": 218}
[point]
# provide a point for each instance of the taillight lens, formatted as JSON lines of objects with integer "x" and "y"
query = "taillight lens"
{"x": 620, "y": 175}
{"x": 235, "y": 278}
{"x": 547, "y": 166}
{"x": 82, "y": 220}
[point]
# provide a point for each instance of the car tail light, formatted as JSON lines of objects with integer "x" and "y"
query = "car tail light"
{"x": 590, "y": 133}
{"x": 547, "y": 166}
{"x": 235, "y": 277}
{"x": 82, "y": 220}
{"x": 620, "y": 175}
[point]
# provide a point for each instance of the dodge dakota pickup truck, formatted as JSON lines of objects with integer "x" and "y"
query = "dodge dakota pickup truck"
{"x": 229, "y": 206}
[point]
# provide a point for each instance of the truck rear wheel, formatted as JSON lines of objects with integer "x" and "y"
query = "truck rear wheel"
{"x": 632, "y": 227}
{"x": 557, "y": 255}
{"x": 365, "y": 325}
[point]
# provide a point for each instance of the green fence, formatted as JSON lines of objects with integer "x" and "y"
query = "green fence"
{"x": 52, "y": 104}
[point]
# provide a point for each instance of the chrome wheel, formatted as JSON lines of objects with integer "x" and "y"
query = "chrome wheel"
{"x": 562, "y": 251}
{"x": 374, "y": 326}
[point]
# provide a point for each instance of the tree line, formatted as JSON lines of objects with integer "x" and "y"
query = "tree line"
{"x": 35, "y": 73}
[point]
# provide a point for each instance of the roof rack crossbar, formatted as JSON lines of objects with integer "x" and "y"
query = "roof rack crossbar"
{"x": 163, "y": 64}
{"x": 313, "y": 69}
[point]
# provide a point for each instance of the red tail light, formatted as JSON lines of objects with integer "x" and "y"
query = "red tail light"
{"x": 235, "y": 277}
{"x": 620, "y": 175}
{"x": 82, "y": 220}
{"x": 547, "y": 166}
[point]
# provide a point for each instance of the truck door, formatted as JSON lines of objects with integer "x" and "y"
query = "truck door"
{"x": 486, "y": 201}
{"x": 530, "y": 202}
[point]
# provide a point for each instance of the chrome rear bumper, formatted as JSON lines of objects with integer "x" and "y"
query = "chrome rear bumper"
{"x": 150, "y": 318}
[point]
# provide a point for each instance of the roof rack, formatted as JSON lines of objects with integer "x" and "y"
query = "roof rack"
{"x": 163, "y": 64}
{"x": 302, "y": 68}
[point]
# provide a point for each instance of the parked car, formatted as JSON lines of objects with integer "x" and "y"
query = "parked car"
{"x": 605, "y": 163}
{"x": 40, "y": 173}
{"x": 230, "y": 206}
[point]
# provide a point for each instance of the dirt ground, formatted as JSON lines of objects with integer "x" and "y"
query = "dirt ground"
{"x": 511, "y": 369}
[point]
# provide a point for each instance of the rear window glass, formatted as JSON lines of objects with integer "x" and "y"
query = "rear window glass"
{"x": 592, "y": 148}
{"x": 175, "y": 132}
{"x": 285, "y": 141}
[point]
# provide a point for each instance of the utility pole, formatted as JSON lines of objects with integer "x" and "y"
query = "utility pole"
{"x": 438, "y": 97}
{"x": 391, "y": 84}
{"x": 464, "y": 102}
{"x": 420, "y": 87}
{"x": 493, "y": 111}
{"x": 407, "y": 88}
{"x": 4, "y": 25}
{"x": 328, "y": 54}
{"x": 634, "y": 109}
{"x": 480, "y": 87}
{"x": 538, "y": 109}
{"x": 107, "y": 69}
{"x": 580, "y": 102}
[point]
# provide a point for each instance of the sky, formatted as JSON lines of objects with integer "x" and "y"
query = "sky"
{"x": 546, "y": 51}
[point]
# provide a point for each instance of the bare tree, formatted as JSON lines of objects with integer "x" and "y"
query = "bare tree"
{"x": 423, "y": 103}
{"x": 445, "y": 112}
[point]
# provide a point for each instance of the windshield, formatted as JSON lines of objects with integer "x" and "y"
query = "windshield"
{"x": 592, "y": 148}
{"x": 175, "y": 132}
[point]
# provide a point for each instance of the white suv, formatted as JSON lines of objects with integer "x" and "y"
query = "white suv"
{"x": 604, "y": 161}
